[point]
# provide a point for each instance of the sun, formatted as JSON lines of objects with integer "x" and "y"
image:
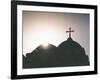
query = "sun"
{"x": 45, "y": 45}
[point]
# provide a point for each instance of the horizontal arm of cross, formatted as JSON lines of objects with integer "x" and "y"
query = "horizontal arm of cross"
{"x": 70, "y": 31}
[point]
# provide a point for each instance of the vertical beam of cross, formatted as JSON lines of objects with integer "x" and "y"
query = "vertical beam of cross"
{"x": 70, "y": 31}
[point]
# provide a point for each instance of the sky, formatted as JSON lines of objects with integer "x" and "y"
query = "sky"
{"x": 50, "y": 27}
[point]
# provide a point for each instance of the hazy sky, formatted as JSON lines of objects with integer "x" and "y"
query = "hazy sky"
{"x": 50, "y": 27}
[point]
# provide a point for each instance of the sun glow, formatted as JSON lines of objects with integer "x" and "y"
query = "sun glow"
{"x": 46, "y": 36}
{"x": 43, "y": 28}
{"x": 45, "y": 45}
{"x": 41, "y": 35}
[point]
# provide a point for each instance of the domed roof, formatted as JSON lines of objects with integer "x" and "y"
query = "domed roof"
{"x": 70, "y": 43}
{"x": 71, "y": 47}
{"x": 72, "y": 53}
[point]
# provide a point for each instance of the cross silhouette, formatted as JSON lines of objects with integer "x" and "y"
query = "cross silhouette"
{"x": 70, "y": 31}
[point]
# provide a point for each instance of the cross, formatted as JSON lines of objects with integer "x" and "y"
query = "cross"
{"x": 70, "y": 31}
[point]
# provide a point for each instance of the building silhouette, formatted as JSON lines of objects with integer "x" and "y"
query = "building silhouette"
{"x": 68, "y": 53}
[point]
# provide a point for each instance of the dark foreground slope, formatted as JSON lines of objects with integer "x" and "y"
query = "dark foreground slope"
{"x": 41, "y": 57}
